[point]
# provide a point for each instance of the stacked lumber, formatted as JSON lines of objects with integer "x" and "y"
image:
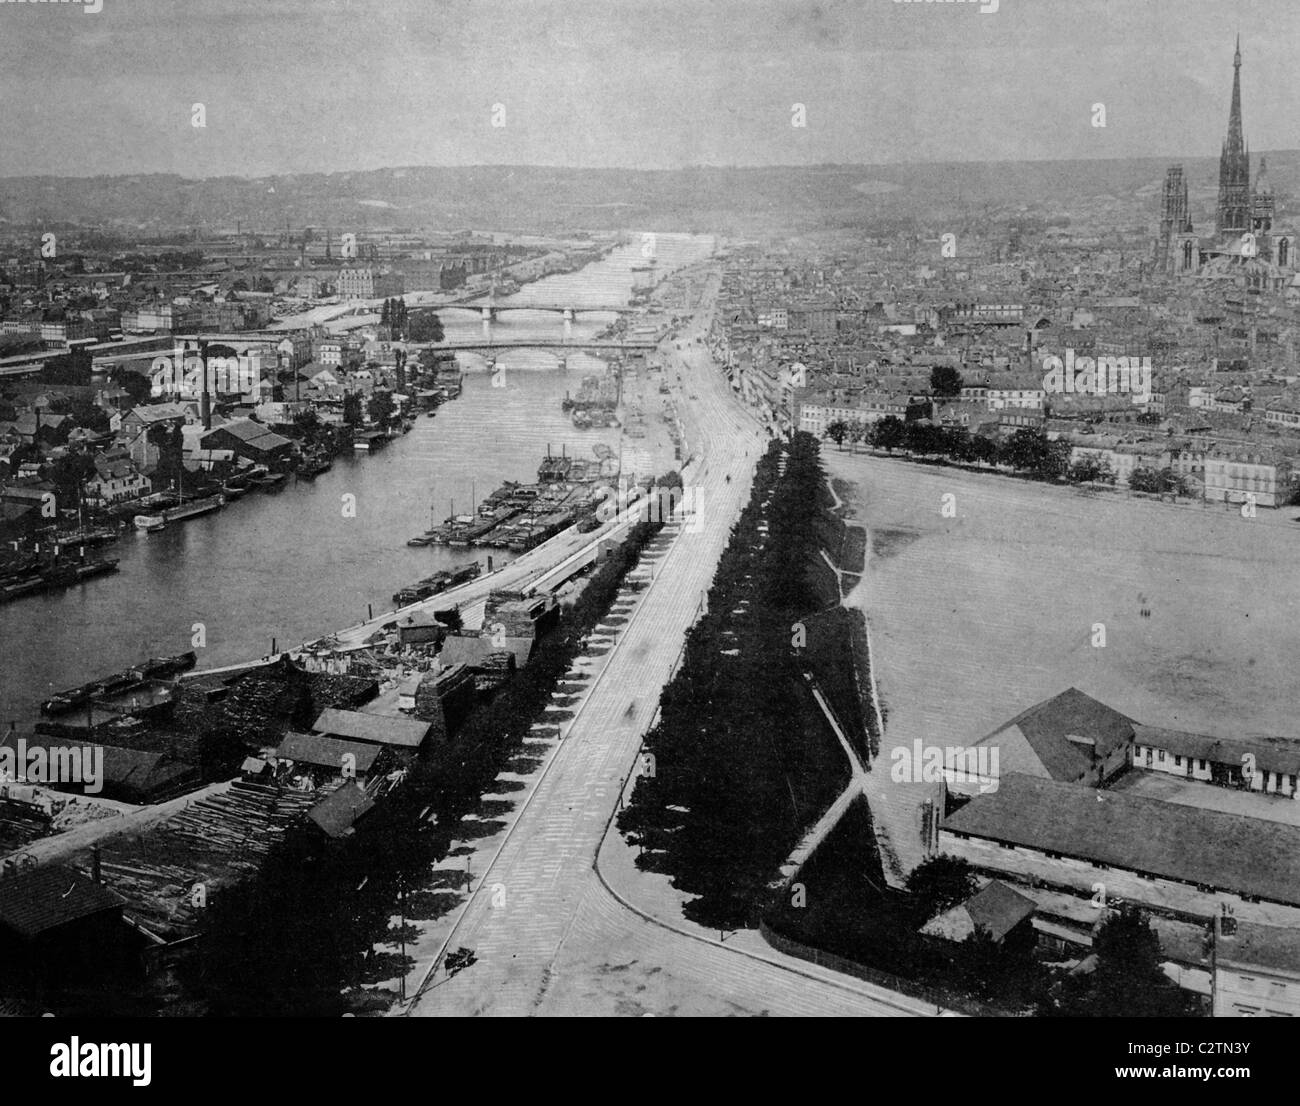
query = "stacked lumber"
{"x": 214, "y": 842}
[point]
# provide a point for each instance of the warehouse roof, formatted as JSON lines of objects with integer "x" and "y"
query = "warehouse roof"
{"x": 327, "y": 752}
{"x": 1248, "y": 856}
{"x": 44, "y": 898}
{"x": 375, "y": 728}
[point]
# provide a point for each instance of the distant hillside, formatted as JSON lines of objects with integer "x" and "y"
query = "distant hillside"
{"x": 738, "y": 201}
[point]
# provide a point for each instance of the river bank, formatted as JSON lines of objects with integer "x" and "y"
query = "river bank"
{"x": 294, "y": 566}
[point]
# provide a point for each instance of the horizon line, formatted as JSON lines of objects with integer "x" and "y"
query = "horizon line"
{"x": 710, "y": 166}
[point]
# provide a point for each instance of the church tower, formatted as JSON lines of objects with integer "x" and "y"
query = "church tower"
{"x": 1174, "y": 219}
{"x": 1262, "y": 204}
{"x": 1232, "y": 213}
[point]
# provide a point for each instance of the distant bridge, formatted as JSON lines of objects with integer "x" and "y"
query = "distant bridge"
{"x": 489, "y": 311}
{"x": 543, "y": 343}
{"x": 569, "y": 310}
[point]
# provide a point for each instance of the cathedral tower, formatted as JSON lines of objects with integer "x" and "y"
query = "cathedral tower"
{"x": 1174, "y": 218}
{"x": 1232, "y": 213}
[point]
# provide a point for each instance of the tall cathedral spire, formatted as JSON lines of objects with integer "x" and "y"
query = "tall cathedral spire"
{"x": 1232, "y": 213}
{"x": 1235, "y": 143}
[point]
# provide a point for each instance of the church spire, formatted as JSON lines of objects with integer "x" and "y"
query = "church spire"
{"x": 1235, "y": 144}
{"x": 1232, "y": 214}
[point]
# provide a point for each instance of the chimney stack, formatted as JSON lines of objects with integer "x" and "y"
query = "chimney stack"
{"x": 205, "y": 400}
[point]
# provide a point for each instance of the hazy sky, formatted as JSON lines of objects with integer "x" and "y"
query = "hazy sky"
{"x": 331, "y": 85}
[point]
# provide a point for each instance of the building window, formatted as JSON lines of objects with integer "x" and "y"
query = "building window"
{"x": 1178, "y": 762}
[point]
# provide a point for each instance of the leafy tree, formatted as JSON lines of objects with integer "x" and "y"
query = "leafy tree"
{"x": 71, "y": 368}
{"x": 1031, "y": 451}
{"x": 423, "y": 326}
{"x": 1144, "y": 480}
{"x": 1128, "y": 981}
{"x": 69, "y": 473}
{"x": 939, "y": 883}
{"x": 945, "y": 381}
{"x": 837, "y": 432}
{"x": 352, "y": 414}
{"x": 1162, "y": 482}
{"x": 1005, "y": 972}
{"x": 138, "y": 388}
{"x": 90, "y": 416}
{"x": 1056, "y": 461}
{"x": 888, "y": 434}
{"x": 980, "y": 965}
{"x": 381, "y": 407}
{"x": 1086, "y": 470}
{"x": 984, "y": 450}
{"x": 170, "y": 443}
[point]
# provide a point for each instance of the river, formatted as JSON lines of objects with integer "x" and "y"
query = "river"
{"x": 289, "y": 565}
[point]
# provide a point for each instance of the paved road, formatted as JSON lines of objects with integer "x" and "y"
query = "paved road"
{"x": 549, "y": 937}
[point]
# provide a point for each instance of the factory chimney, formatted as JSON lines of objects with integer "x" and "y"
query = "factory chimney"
{"x": 205, "y": 400}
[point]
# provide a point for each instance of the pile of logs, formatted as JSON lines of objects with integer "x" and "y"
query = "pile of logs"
{"x": 169, "y": 873}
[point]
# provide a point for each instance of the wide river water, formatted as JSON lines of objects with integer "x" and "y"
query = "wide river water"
{"x": 289, "y": 565}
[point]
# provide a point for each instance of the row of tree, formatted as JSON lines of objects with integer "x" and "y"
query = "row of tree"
{"x": 742, "y": 761}
{"x": 405, "y": 325}
{"x": 1027, "y": 451}
{"x": 297, "y": 939}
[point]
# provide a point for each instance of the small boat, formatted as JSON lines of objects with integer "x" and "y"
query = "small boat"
{"x": 158, "y": 667}
{"x": 87, "y": 536}
{"x": 123, "y": 681}
{"x": 232, "y": 491}
{"x": 65, "y": 701}
{"x": 270, "y": 481}
{"x": 194, "y": 508}
{"x": 312, "y": 467}
{"x": 149, "y": 523}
